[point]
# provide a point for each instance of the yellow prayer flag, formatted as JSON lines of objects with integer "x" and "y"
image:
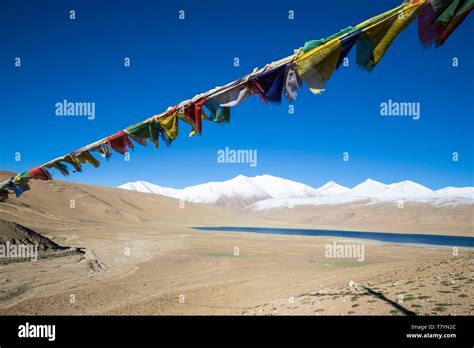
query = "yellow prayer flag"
{"x": 169, "y": 125}
{"x": 86, "y": 157}
{"x": 74, "y": 161}
{"x": 316, "y": 66}
{"x": 382, "y": 33}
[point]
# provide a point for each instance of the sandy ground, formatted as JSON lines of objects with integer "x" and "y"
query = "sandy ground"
{"x": 141, "y": 257}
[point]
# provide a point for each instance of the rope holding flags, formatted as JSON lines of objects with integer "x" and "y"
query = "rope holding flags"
{"x": 314, "y": 63}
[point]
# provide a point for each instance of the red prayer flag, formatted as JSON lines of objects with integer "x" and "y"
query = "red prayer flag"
{"x": 40, "y": 173}
{"x": 119, "y": 142}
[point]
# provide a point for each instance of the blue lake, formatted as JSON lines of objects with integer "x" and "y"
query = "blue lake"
{"x": 406, "y": 238}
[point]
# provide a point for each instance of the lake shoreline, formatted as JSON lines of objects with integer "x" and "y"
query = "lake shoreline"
{"x": 414, "y": 239}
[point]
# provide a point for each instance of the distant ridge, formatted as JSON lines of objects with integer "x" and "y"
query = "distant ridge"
{"x": 269, "y": 192}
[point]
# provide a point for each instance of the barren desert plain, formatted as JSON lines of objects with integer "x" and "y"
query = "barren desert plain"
{"x": 110, "y": 251}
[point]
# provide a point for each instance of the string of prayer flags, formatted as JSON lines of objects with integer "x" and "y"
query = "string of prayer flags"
{"x": 314, "y": 64}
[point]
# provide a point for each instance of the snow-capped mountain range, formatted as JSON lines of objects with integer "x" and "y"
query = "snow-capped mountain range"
{"x": 269, "y": 192}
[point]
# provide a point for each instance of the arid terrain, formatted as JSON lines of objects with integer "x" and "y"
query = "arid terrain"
{"x": 136, "y": 253}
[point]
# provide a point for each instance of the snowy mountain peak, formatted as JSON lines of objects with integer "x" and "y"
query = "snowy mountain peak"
{"x": 450, "y": 191}
{"x": 372, "y": 182}
{"x": 332, "y": 188}
{"x": 143, "y": 186}
{"x": 370, "y": 188}
{"x": 400, "y": 190}
{"x": 239, "y": 177}
{"x": 267, "y": 192}
{"x": 237, "y": 192}
{"x": 277, "y": 187}
{"x": 411, "y": 188}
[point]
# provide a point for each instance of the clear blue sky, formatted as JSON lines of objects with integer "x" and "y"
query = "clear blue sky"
{"x": 172, "y": 60}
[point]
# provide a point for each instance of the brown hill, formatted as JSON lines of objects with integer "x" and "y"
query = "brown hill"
{"x": 140, "y": 256}
{"x": 64, "y": 206}
{"x": 13, "y": 233}
{"x": 60, "y": 202}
